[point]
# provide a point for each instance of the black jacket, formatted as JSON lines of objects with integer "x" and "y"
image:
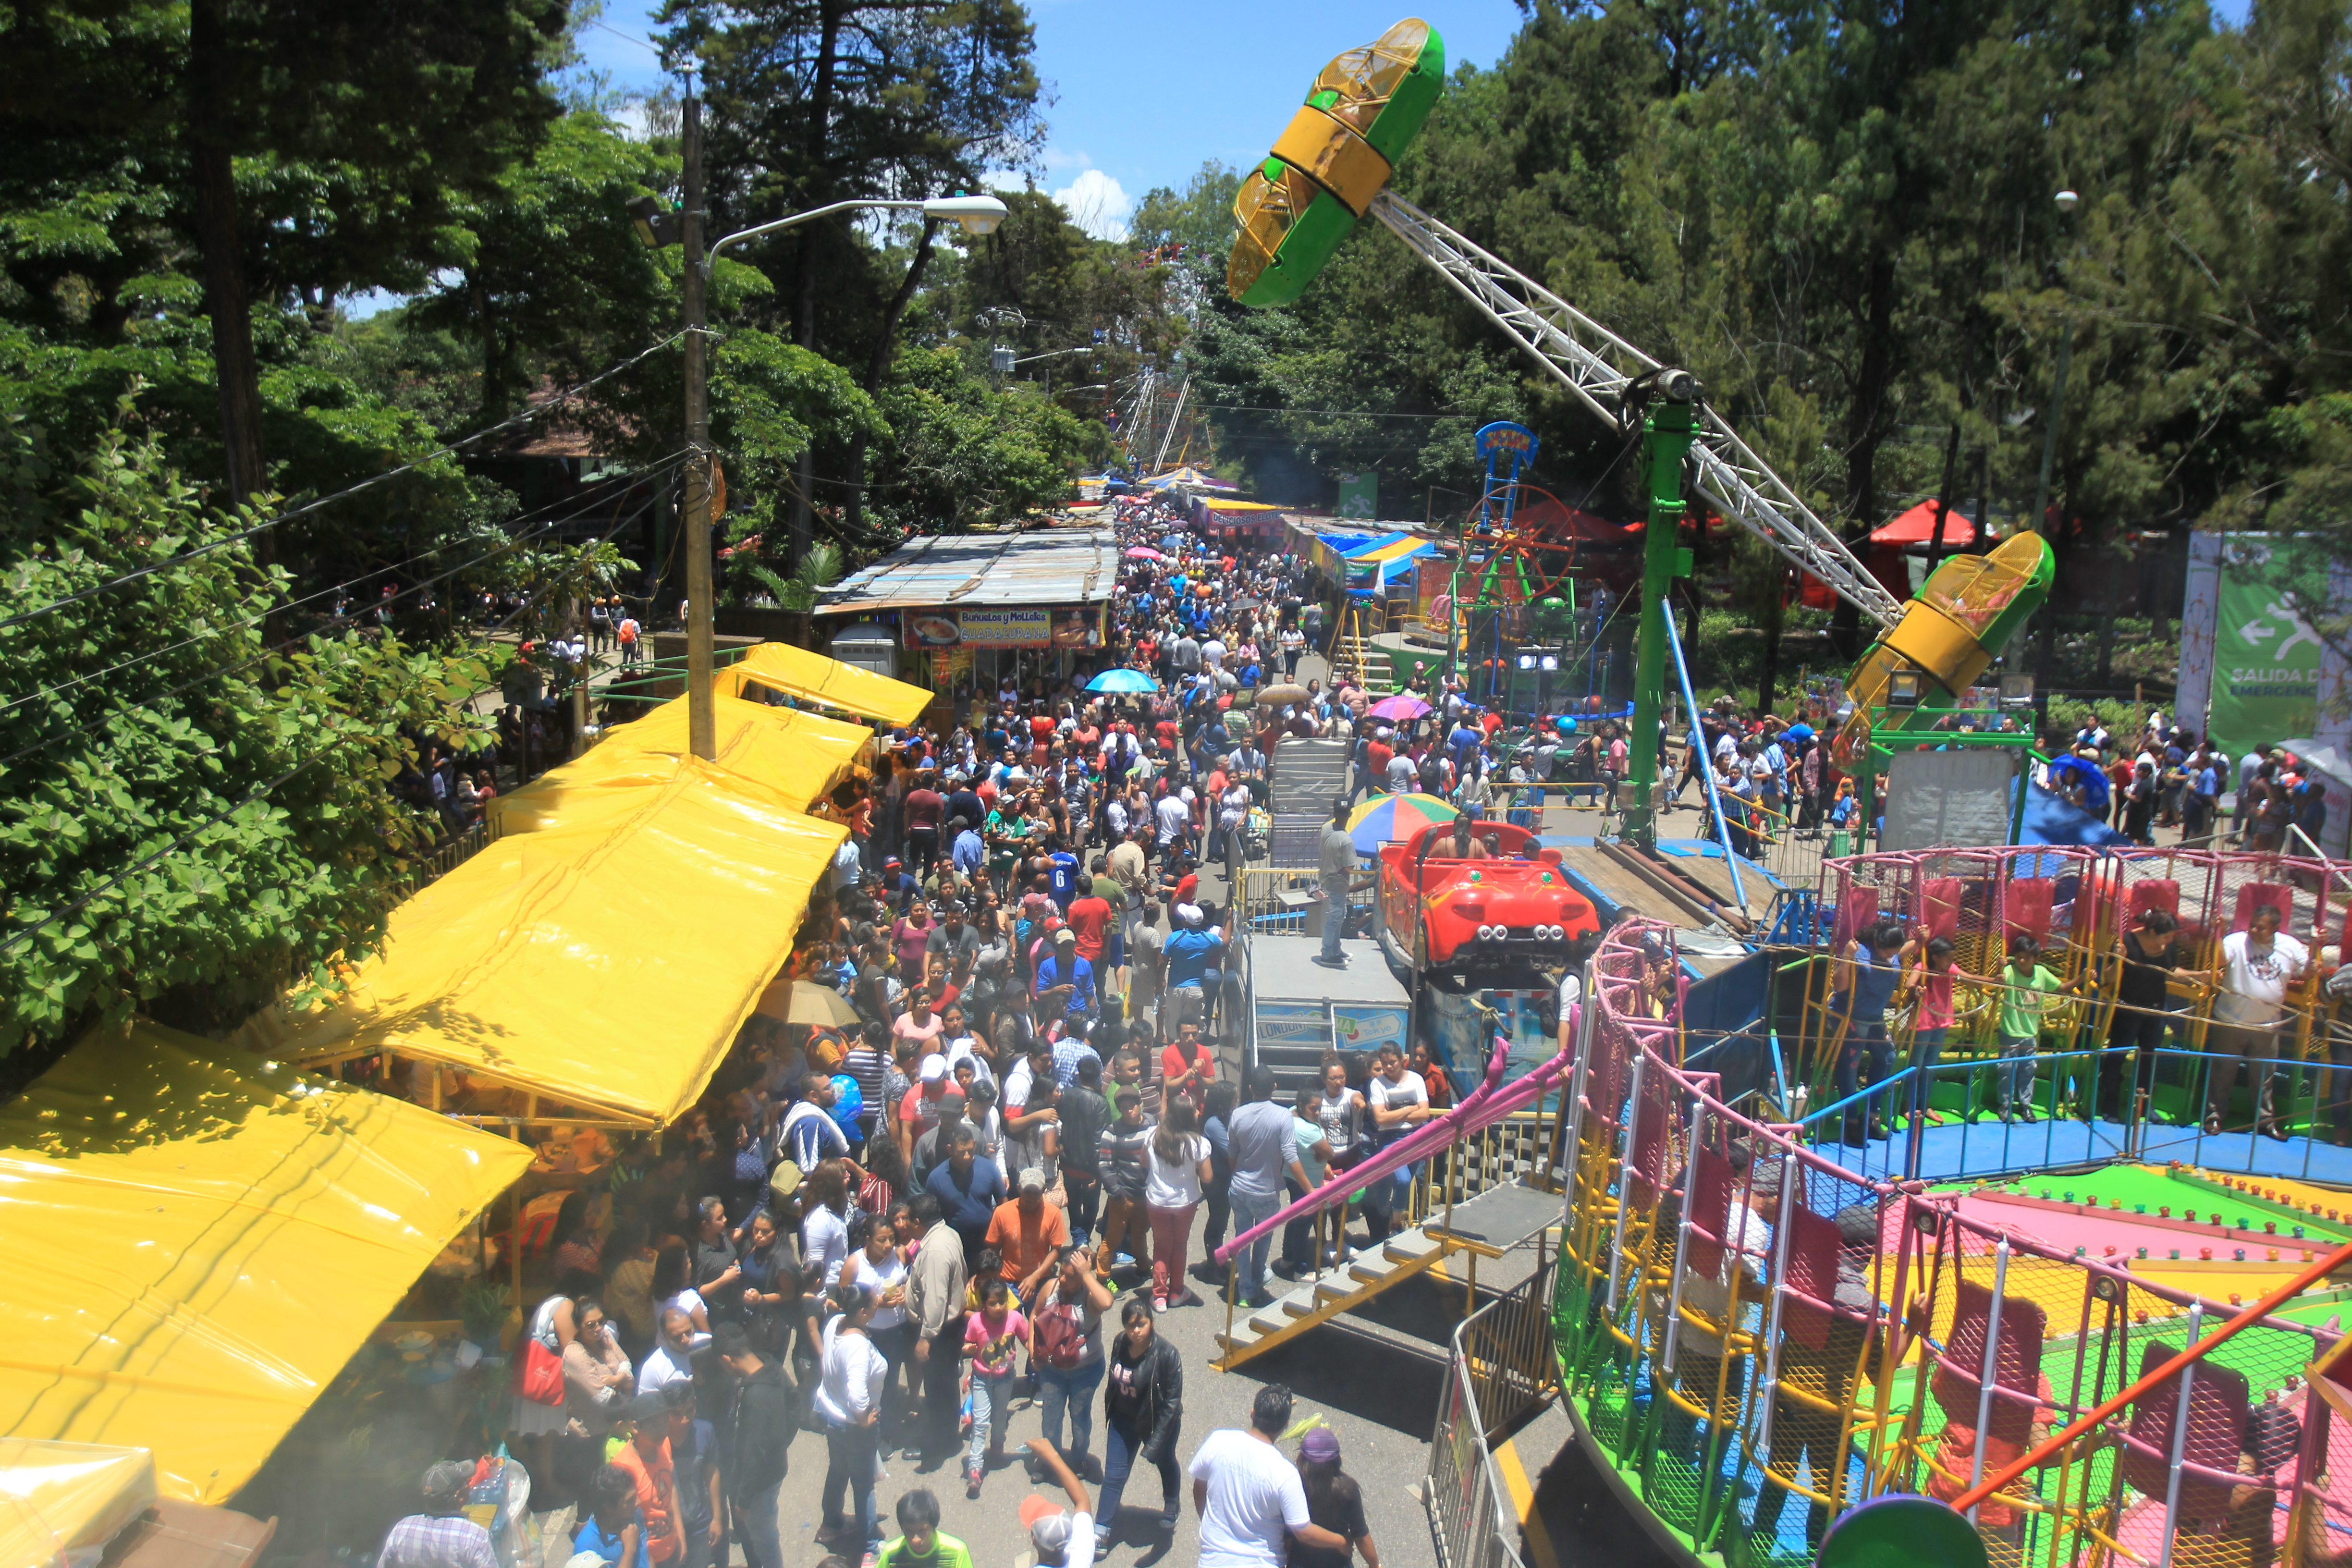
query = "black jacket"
{"x": 1156, "y": 1410}
{"x": 760, "y": 1426}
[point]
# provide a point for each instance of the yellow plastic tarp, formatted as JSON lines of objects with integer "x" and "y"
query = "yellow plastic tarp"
{"x": 779, "y": 754}
{"x": 198, "y": 1240}
{"x": 814, "y": 678}
{"x": 57, "y": 1498}
{"x": 603, "y": 960}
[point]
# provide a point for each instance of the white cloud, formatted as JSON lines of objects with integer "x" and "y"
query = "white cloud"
{"x": 1096, "y": 204}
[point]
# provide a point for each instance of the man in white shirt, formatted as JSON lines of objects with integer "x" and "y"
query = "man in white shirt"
{"x": 668, "y": 1362}
{"x": 1247, "y": 1494}
{"x": 1173, "y": 814}
{"x": 1213, "y": 652}
{"x": 2261, "y": 966}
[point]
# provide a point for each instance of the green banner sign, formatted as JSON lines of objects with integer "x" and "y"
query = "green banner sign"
{"x": 1359, "y": 496}
{"x": 2265, "y": 668}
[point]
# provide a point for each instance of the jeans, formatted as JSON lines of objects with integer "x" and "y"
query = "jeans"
{"x": 1120, "y": 1446}
{"x": 1076, "y": 1388}
{"x": 1927, "y": 1050}
{"x": 1250, "y": 1209}
{"x": 990, "y": 1391}
{"x": 1865, "y": 1040}
{"x": 756, "y": 1529}
{"x": 849, "y": 1463}
{"x": 2014, "y": 1078}
{"x": 1299, "y": 1236}
{"x": 1083, "y": 1189}
{"x": 1171, "y": 1233}
{"x": 1335, "y": 917}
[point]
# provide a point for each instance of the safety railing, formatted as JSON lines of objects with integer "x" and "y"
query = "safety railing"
{"x": 447, "y": 856}
{"x": 1470, "y": 1516}
{"x": 2079, "y": 905}
{"x": 1982, "y": 1115}
{"x": 1759, "y": 1338}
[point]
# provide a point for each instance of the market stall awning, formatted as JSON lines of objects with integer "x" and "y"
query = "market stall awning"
{"x": 603, "y": 952}
{"x": 1364, "y": 547}
{"x": 796, "y": 756}
{"x": 814, "y": 678}
{"x": 58, "y": 1499}
{"x": 200, "y": 1240}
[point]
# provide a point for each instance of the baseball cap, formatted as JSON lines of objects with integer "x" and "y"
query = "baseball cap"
{"x": 1049, "y": 1527}
{"x": 1033, "y": 1179}
{"x": 934, "y": 1068}
{"x": 1321, "y": 1444}
{"x": 1063, "y": 935}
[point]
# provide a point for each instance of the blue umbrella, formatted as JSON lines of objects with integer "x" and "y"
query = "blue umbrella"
{"x": 1123, "y": 681}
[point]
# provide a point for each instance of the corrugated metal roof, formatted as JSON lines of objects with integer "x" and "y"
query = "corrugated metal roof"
{"x": 1057, "y": 567}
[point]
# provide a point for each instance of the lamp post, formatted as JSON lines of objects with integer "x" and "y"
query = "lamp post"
{"x": 975, "y": 214}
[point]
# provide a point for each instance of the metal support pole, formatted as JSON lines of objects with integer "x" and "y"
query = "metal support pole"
{"x": 1991, "y": 1366}
{"x": 2179, "y": 1440}
{"x": 1667, "y": 431}
{"x": 1625, "y": 1172}
{"x": 1699, "y": 748}
{"x": 701, "y": 721}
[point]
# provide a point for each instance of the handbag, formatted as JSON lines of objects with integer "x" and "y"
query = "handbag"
{"x": 538, "y": 1375}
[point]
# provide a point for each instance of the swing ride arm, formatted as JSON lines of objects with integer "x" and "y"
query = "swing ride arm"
{"x": 1598, "y": 367}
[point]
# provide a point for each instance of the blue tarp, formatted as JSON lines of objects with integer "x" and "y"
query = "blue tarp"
{"x": 1367, "y": 542}
{"x": 2049, "y": 819}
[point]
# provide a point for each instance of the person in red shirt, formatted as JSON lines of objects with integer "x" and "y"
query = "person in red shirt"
{"x": 1376, "y": 756}
{"x": 1166, "y": 732}
{"x": 1090, "y": 918}
{"x": 924, "y": 809}
{"x": 1186, "y": 1065}
{"x": 645, "y": 1458}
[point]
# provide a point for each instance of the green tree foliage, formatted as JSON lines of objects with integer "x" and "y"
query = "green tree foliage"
{"x": 189, "y": 820}
{"x": 967, "y": 455}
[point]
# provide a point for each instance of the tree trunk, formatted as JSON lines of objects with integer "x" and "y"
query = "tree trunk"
{"x": 212, "y": 174}
{"x": 1866, "y": 429}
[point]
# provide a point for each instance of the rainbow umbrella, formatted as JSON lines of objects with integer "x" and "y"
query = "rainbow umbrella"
{"x": 1403, "y": 707}
{"x": 1391, "y": 818}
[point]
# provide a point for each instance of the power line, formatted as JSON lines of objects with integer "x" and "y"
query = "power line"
{"x": 656, "y": 470}
{"x": 153, "y": 567}
{"x": 277, "y": 647}
{"x": 343, "y": 738}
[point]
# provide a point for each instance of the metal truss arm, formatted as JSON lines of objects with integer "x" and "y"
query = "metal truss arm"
{"x": 1596, "y": 365}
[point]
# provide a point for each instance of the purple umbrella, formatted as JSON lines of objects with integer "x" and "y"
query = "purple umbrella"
{"x": 1403, "y": 707}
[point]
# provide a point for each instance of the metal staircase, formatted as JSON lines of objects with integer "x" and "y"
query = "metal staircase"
{"x": 1354, "y": 656}
{"x": 1486, "y": 1226}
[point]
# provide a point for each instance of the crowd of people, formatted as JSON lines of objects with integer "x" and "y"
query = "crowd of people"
{"x": 2165, "y": 776}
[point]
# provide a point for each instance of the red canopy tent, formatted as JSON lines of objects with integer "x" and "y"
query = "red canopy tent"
{"x": 1918, "y": 527}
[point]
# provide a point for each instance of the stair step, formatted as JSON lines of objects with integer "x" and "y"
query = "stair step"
{"x": 1300, "y": 1307}
{"x": 1332, "y": 1290}
{"x": 1267, "y": 1325}
{"x": 1408, "y": 1244}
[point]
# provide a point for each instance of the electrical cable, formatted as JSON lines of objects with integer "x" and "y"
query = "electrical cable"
{"x": 307, "y": 507}
{"x": 122, "y": 708}
{"x": 344, "y": 738}
{"x": 657, "y": 469}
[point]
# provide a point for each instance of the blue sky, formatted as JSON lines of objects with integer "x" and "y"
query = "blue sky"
{"x": 1145, "y": 90}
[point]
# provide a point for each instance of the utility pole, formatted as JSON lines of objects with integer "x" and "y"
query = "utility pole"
{"x": 1668, "y": 429}
{"x": 701, "y": 719}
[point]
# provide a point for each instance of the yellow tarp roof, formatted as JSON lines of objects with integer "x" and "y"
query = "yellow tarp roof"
{"x": 603, "y": 952}
{"x": 1242, "y": 506}
{"x": 792, "y": 756}
{"x": 814, "y": 678}
{"x": 199, "y": 1241}
{"x": 57, "y": 1498}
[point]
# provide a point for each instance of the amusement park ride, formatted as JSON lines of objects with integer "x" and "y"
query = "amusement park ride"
{"x": 1329, "y": 169}
{"x": 1927, "y": 1342}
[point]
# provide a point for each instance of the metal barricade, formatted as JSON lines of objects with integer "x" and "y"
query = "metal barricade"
{"x": 1470, "y": 1517}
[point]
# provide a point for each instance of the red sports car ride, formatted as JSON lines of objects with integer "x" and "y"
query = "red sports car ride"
{"x": 1480, "y": 921}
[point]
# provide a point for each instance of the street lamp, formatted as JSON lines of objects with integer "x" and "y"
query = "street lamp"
{"x": 976, "y": 214}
